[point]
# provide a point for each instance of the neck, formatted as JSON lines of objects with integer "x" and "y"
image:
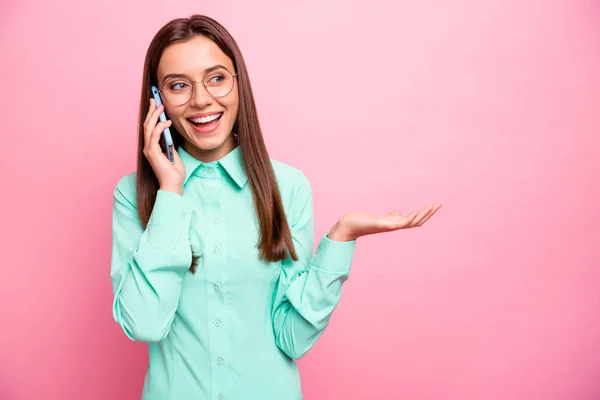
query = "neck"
{"x": 210, "y": 155}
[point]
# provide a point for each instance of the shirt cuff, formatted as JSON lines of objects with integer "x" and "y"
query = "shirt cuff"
{"x": 171, "y": 216}
{"x": 333, "y": 256}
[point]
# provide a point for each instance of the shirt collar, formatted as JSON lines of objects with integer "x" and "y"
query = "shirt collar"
{"x": 232, "y": 163}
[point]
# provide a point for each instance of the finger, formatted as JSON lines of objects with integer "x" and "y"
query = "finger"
{"x": 157, "y": 131}
{"x": 427, "y": 213}
{"x": 151, "y": 124}
{"x": 421, "y": 222}
{"x": 147, "y": 130}
{"x": 422, "y": 215}
{"x": 431, "y": 214}
{"x": 150, "y": 109}
{"x": 399, "y": 222}
{"x": 411, "y": 219}
{"x": 154, "y": 146}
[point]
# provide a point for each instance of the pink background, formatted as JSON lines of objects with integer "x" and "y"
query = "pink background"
{"x": 489, "y": 107}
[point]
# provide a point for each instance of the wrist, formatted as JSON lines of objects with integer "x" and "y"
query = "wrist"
{"x": 174, "y": 189}
{"x": 340, "y": 233}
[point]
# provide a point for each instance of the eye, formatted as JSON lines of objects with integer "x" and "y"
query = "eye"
{"x": 178, "y": 86}
{"x": 216, "y": 79}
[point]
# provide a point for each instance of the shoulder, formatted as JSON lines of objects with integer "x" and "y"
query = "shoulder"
{"x": 290, "y": 177}
{"x": 294, "y": 185}
{"x": 125, "y": 189}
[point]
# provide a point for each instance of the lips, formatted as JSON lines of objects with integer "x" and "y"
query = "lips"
{"x": 205, "y": 123}
{"x": 205, "y": 119}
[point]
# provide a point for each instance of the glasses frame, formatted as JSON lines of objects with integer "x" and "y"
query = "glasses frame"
{"x": 193, "y": 85}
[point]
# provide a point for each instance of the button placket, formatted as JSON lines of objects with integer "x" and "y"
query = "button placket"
{"x": 216, "y": 265}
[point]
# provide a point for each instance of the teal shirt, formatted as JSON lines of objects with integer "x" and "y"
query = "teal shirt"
{"x": 234, "y": 329}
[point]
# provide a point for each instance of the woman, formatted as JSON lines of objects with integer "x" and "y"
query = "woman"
{"x": 212, "y": 255}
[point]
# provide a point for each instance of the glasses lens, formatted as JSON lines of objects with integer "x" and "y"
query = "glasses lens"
{"x": 219, "y": 82}
{"x": 177, "y": 91}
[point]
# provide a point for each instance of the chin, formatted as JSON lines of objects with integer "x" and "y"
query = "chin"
{"x": 209, "y": 144}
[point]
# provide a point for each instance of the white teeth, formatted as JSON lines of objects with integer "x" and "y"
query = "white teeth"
{"x": 204, "y": 120}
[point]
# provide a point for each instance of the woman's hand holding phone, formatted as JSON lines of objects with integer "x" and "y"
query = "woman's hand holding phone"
{"x": 170, "y": 176}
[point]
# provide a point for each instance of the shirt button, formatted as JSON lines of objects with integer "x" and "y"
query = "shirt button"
{"x": 318, "y": 249}
{"x": 183, "y": 215}
{"x": 210, "y": 171}
{"x": 217, "y": 322}
{"x": 221, "y": 397}
{"x": 220, "y": 361}
{"x": 215, "y": 221}
{"x": 216, "y": 250}
{"x": 216, "y": 287}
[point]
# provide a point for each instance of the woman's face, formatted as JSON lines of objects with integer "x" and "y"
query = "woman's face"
{"x": 205, "y": 121}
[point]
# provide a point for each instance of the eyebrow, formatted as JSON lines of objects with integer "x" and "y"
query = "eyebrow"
{"x": 206, "y": 71}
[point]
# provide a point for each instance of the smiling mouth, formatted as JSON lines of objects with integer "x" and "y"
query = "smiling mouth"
{"x": 203, "y": 121}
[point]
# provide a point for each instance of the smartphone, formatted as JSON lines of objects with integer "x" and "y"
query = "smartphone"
{"x": 166, "y": 140}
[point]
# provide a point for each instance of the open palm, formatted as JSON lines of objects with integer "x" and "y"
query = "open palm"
{"x": 357, "y": 223}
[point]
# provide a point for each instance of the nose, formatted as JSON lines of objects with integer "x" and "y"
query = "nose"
{"x": 200, "y": 96}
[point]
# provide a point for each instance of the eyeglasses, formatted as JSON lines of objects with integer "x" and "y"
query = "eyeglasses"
{"x": 218, "y": 83}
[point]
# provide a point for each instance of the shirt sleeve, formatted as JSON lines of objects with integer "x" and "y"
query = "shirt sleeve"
{"x": 308, "y": 290}
{"x": 148, "y": 265}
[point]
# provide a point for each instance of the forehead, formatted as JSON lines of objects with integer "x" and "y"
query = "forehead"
{"x": 191, "y": 58}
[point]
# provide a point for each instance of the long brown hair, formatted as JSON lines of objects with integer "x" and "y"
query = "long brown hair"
{"x": 275, "y": 239}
